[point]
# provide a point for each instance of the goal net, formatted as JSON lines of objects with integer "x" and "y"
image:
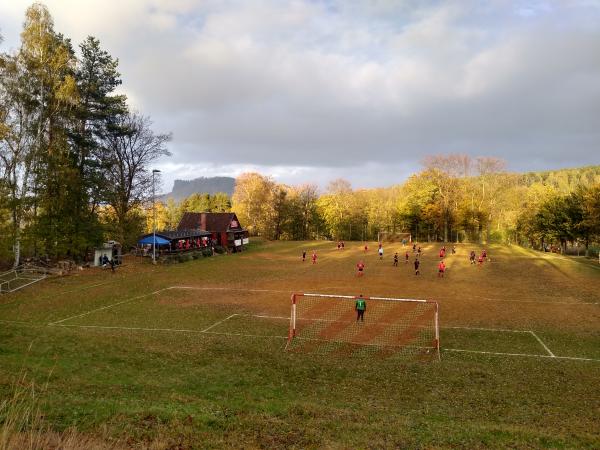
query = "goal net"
{"x": 390, "y": 236}
{"x": 326, "y": 323}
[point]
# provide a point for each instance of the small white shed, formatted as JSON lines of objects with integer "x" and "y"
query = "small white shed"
{"x": 112, "y": 250}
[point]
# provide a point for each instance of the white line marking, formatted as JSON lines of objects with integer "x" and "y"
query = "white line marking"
{"x": 494, "y": 300}
{"x": 218, "y": 323}
{"x": 543, "y": 345}
{"x": 353, "y": 297}
{"x": 87, "y": 287}
{"x": 227, "y": 289}
{"x": 486, "y": 329}
{"x": 245, "y": 335}
{"x": 262, "y": 316}
{"x": 106, "y": 327}
{"x": 108, "y": 306}
{"x": 46, "y": 297}
{"x": 174, "y": 330}
{"x": 572, "y": 358}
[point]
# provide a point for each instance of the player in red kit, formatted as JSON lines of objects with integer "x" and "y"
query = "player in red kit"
{"x": 441, "y": 269}
{"x": 360, "y": 267}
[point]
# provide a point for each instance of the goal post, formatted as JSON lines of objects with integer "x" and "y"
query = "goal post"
{"x": 331, "y": 322}
{"x": 392, "y": 236}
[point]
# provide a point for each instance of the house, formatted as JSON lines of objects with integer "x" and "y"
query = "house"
{"x": 225, "y": 228}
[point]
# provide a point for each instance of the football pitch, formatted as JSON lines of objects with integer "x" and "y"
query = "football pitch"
{"x": 192, "y": 355}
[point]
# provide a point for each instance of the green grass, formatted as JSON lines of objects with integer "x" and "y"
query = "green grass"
{"x": 167, "y": 388}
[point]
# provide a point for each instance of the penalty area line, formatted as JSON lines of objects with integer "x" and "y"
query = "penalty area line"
{"x": 107, "y": 327}
{"x": 504, "y": 330}
{"x": 543, "y": 345}
{"x": 172, "y": 330}
{"x": 107, "y": 306}
{"x": 218, "y": 323}
{"x": 531, "y": 355}
{"x": 497, "y": 300}
{"x": 194, "y": 288}
{"x": 245, "y": 335}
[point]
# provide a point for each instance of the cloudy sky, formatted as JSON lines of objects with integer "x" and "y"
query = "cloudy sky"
{"x": 312, "y": 90}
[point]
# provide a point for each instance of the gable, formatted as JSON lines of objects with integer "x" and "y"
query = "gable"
{"x": 214, "y": 222}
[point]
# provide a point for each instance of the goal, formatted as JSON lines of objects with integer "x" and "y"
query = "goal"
{"x": 390, "y": 326}
{"x": 391, "y": 236}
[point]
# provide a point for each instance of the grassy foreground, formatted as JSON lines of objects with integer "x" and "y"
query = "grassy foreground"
{"x": 123, "y": 361}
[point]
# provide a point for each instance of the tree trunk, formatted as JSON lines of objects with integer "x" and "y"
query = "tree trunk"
{"x": 446, "y": 228}
{"x": 17, "y": 249}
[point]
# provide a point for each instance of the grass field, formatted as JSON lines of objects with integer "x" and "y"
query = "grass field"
{"x": 192, "y": 355}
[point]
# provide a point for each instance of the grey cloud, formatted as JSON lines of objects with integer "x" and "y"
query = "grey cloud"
{"x": 362, "y": 88}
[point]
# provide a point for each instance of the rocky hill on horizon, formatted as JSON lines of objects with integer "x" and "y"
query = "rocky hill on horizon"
{"x": 202, "y": 185}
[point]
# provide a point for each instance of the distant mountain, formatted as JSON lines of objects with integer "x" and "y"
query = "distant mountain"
{"x": 203, "y": 185}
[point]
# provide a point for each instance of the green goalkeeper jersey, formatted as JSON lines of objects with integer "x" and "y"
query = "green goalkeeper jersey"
{"x": 361, "y": 304}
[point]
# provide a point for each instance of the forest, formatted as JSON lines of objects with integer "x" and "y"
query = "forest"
{"x": 454, "y": 198}
{"x": 75, "y": 160}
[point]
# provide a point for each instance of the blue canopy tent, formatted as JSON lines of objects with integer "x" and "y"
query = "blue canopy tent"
{"x": 150, "y": 240}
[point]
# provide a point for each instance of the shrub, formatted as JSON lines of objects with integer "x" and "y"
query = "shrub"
{"x": 206, "y": 252}
{"x": 219, "y": 249}
{"x": 184, "y": 257}
{"x": 169, "y": 259}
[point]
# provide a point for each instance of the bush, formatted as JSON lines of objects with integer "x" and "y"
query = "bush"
{"x": 169, "y": 259}
{"x": 220, "y": 249}
{"x": 184, "y": 257}
{"x": 196, "y": 255}
{"x": 497, "y": 237}
{"x": 206, "y": 252}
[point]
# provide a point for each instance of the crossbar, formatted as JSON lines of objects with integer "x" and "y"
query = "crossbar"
{"x": 354, "y": 297}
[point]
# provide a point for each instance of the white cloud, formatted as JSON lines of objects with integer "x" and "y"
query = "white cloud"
{"x": 358, "y": 89}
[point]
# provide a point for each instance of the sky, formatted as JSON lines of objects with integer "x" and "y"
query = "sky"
{"x": 308, "y": 91}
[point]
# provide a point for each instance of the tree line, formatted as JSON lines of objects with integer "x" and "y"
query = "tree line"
{"x": 454, "y": 198}
{"x": 75, "y": 160}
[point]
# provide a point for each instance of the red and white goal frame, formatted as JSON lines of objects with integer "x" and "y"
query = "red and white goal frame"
{"x": 398, "y": 314}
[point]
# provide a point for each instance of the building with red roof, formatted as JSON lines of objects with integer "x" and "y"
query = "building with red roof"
{"x": 225, "y": 228}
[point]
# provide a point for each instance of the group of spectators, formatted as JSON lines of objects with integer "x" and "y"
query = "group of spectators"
{"x": 189, "y": 244}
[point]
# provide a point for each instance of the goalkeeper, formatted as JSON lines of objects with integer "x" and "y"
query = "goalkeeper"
{"x": 360, "y": 306}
